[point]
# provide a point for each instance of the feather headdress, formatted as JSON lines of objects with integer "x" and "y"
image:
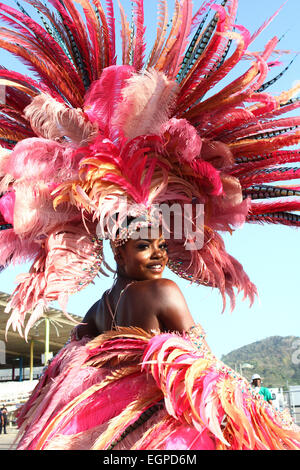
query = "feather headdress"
{"x": 84, "y": 133}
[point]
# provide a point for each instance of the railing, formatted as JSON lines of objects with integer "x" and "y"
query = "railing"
{"x": 292, "y": 400}
{"x": 7, "y": 375}
{"x": 16, "y": 392}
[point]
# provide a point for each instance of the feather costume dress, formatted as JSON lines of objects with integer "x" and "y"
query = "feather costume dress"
{"x": 129, "y": 389}
{"x": 82, "y": 134}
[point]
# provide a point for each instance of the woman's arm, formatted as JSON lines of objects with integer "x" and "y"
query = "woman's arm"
{"x": 88, "y": 326}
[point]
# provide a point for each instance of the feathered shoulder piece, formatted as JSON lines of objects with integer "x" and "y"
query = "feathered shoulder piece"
{"x": 85, "y": 129}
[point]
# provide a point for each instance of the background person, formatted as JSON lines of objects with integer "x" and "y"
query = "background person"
{"x": 3, "y": 419}
{"x": 263, "y": 391}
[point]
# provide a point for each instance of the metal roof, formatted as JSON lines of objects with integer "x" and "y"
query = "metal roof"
{"x": 15, "y": 346}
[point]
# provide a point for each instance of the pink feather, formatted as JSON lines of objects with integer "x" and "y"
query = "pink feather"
{"x": 7, "y": 203}
{"x": 267, "y": 126}
{"x": 276, "y": 174}
{"x": 53, "y": 120}
{"x": 267, "y": 160}
{"x": 29, "y": 82}
{"x": 150, "y": 95}
{"x": 275, "y": 206}
{"x": 103, "y": 98}
{"x": 182, "y": 139}
{"x": 140, "y": 46}
{"x": 111, "y": 25}
{"x": 63, "y": 267}
{"x": 266, "y": 24}
{"x": 16, "y": 250}
{"x": 38, "y": 159}
{"x": 182, "y": 39}
{"x": 217, "y": 154}
{"x": 200, "y": 12}
{"x": 209, "y": 177}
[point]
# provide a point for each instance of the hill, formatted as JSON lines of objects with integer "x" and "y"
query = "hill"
{"x": 276, "y": 359}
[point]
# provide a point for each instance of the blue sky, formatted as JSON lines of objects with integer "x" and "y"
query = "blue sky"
{"x": 269, "y": 254}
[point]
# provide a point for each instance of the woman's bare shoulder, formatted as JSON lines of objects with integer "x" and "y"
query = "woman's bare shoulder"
{"x": 164, "y": 298}
{"x": 161, "y": 287}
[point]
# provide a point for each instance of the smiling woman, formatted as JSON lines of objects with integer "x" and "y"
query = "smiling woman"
{"x": 139, "y": 295}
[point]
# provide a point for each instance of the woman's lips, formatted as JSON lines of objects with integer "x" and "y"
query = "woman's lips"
{"x": 157, "y": 268}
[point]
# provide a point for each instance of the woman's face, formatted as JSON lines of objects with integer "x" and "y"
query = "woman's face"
{"x": 143, "y": 259}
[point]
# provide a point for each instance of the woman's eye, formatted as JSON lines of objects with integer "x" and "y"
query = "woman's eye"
{"x": 142, "y": 247}
{"x": 164, "y": 246}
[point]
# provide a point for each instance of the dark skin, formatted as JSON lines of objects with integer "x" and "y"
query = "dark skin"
{"x": 150, "y": 302}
